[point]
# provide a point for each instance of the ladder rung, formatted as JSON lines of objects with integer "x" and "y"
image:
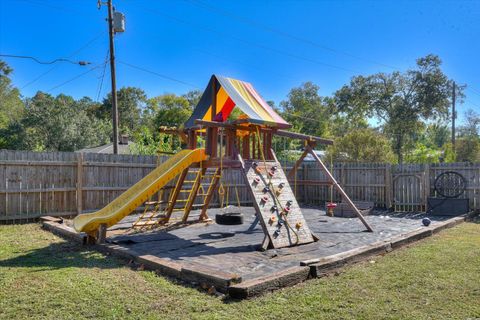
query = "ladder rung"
{"x": 145, "y": 223}
{"x": 189, "y": 181}
{"x": 211, "y": 175}
{"x": 182, "y": 200}
{"x": 155, "y": 202}
{"x": 185, "y": 190}
{"x": 178, "y": 209}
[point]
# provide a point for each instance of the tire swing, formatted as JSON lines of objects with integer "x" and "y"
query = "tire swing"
{"x": 230, "y": 215}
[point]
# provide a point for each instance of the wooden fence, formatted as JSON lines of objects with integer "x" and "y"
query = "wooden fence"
{"x": 62, "y": 183}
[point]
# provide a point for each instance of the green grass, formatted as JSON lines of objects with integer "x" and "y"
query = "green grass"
{"x": 45, "y": 277}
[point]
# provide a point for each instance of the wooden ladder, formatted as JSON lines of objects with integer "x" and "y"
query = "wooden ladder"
{"x": 203, "y": 185}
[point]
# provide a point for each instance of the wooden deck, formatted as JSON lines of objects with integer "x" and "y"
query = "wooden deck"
{"x": 227, "y": 256}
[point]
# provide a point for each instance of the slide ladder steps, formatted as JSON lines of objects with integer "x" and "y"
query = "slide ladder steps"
{"x": 204, "y": 180}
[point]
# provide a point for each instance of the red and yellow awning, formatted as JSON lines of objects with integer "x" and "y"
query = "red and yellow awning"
{"x": 230, "y": 94}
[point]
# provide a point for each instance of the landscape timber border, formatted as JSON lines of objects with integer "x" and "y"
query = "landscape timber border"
{"x": 232, "y": 284}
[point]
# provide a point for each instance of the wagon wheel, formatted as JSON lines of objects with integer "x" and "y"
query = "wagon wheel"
{"x": 450, "y": 184}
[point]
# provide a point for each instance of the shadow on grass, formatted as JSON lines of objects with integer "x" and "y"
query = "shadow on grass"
{"x": 60, "y": 255}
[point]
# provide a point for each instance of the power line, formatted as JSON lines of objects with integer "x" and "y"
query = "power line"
{"x": 281, "y": 32}
{"x": 82, "y": 63}
{"x": 86, "y": 45}
{"x": 248, "y": 42}
{"x": 159, "y": 75}
{"x": 103, "y": 76}
{"x": 473, "y": 90}
{"x": 75, "y": 78}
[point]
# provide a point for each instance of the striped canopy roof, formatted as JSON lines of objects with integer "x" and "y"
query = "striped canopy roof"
{"x": 231, "y": 93}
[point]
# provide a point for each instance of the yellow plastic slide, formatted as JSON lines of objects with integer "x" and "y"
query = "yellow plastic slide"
{"x": 140, "y": 192}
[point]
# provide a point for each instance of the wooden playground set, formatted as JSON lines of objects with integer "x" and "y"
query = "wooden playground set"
{"x": 232, "y": 128}
{"x": 242, "y": 142}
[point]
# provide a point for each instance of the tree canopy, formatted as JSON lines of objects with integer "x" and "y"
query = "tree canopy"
{"x": 401, "y": 101}
{"x": 383, "y": 117}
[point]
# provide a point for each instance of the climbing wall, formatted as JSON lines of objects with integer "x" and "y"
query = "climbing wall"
{"x": 280, "y": 215}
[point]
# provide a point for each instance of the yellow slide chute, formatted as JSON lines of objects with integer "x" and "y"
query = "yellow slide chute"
{"x": 140, "y": 192}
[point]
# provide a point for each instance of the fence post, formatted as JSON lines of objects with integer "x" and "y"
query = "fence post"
{"x": 343, "y": 179}
{"x": 427, "y": 185}
{"x": 79, "y": 182}
{"x": 388, "y": 185}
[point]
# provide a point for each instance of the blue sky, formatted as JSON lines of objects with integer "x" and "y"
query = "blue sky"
{"x": 276, "y": 45}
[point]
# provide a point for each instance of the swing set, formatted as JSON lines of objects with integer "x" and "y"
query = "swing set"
{"x": 243, "y": 143}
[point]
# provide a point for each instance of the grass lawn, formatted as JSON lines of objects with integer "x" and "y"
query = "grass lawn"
{"x": 45, "y": 277}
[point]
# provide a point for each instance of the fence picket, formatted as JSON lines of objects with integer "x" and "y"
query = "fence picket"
{"x": 33, "y": 184}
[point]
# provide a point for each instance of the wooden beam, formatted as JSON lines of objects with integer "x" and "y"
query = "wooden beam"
{"x": 301, "y": 136}
{"x": 213, "y": 163}
{"x": 213, "y": 124}
{"x": 208, "y": 198}
{"x": 293, "y": 171}
{"x": 339, "y": 189}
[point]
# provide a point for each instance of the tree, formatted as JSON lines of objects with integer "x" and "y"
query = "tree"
{"x": 306, "y": 110}
{"x": 401, "y": 101}
{"x": 193, "y": 97}
{"x": 467, "y": 147}
{"x": 60, "y": 124}
{"x": 361, "y": 145}
{"x": 437, "y": 135}
{"x": 471, "y": 126}
{"x": 170, "y": 110}
{"x": 167, "y": 110}
{"x": 131, "y": 102}
{"x": 424, "y": 154}
{"x": 11, "y": 106}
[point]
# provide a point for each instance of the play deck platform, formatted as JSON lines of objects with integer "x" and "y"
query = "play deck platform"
{"x": 227, "y": 257}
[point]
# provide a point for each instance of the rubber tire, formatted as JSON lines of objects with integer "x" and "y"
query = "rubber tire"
{"x": 231, "y": 218}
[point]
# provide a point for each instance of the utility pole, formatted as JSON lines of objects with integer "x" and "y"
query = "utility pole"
{"x": 116, "y": 23}
{"x": 111, "y": 34}
{"x": 454, "y": 115}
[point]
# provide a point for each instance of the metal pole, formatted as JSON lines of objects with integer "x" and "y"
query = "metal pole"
{"x": 112, "y": 73}
{"x": 454, "y": 115}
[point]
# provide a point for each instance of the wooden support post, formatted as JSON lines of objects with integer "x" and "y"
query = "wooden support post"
{"x": 79, "y": 183}
{"x": 246, "y": 147}
{"x": 254, "y": 146}
{"x": 192, "y": 139}
{"x": 265, "y": 243}
{"x": 203, "y": 214}
{"x": 268, "y": 145}
{"x": 101, "y": 233}
{"x": 174, "y": 196}
{"x": 230, "y": 142}
{"x": 344, "y": 195}
{"x": 293, "y": 171}
{"x": 212, "y": 132}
